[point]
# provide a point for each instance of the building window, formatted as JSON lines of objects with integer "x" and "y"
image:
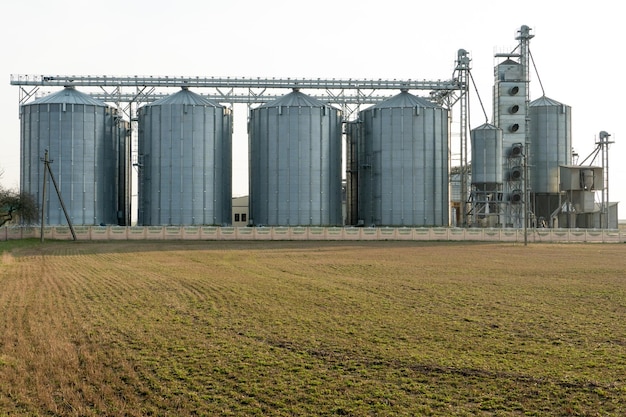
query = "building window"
{"x": 236, "y": 217}
{"x": 243, "y": 217}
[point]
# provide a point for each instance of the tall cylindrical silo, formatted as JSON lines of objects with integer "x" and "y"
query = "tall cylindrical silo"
{"x": 77, "y": 131}
{"x": 487, "y": 175}
{"x": 295, "y": 162}
{"x": 550, "y": 147}
{"x": 551, "y": 142}
{"x": 185, "y": 159}
{"x": 404, "y": 163}
{"x": 486, "y": 156}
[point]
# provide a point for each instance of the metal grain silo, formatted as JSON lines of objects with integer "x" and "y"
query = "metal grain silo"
{"x": 295, "y": 163}
{"x": 486, "y": 156}
{"x": 550, "y": 147}
{"x": 78, "y": 132}
{"x": 551, "y": 142}
{"x": 404, "y": 163}
{"x": 185, "y": 148}
{"x": 487, "y": 177}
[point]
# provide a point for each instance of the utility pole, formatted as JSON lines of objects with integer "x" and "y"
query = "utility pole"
{"x": 47, "y": 169}
{"x": 43, "y": 194}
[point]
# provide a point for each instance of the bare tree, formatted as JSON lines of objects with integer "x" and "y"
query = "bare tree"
{"x": 14, "y": 203}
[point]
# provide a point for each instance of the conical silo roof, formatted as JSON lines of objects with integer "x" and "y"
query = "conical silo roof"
{"x": 544, "y": 102}
{"x": 508, "y": 62}
{"x": 295, "y": 99}
{"x": 69, "y": 95}
{"x": 486, "y": 126}
{"x": 402, "y": 100}
{"x": 184, "y": 96}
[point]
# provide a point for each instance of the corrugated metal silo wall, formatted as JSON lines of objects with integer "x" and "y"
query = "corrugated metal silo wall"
{"x": 185, "y": 154}
{"x": 551, "y": 145}
{"x": 295, "y": 166}
{"x": 404, "y": 167}
{"x": 80, "y": 142}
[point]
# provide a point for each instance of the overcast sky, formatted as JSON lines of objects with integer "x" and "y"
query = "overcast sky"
{"x": 576, "y": 49}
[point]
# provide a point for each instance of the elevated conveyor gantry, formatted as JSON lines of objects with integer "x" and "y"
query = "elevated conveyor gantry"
{"x": 350, "y": 94}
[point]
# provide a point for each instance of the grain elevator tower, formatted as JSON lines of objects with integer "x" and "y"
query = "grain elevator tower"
{"x": 511, "y": 100}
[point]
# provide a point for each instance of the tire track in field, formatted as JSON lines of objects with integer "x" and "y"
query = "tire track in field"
{"x": 55, "y": 307}
{"x": 104, "y": 291}
{"x": 32, "y": 340}
{"x": 12, "y": 306}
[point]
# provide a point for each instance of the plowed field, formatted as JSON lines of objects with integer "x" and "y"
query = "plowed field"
{"x": 312, "y": 328}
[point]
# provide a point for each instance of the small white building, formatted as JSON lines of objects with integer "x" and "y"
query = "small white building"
{"x": 240, "y": 211}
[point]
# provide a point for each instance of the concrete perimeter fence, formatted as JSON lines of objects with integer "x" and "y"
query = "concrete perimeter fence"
{"x": 88, "y": 233}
